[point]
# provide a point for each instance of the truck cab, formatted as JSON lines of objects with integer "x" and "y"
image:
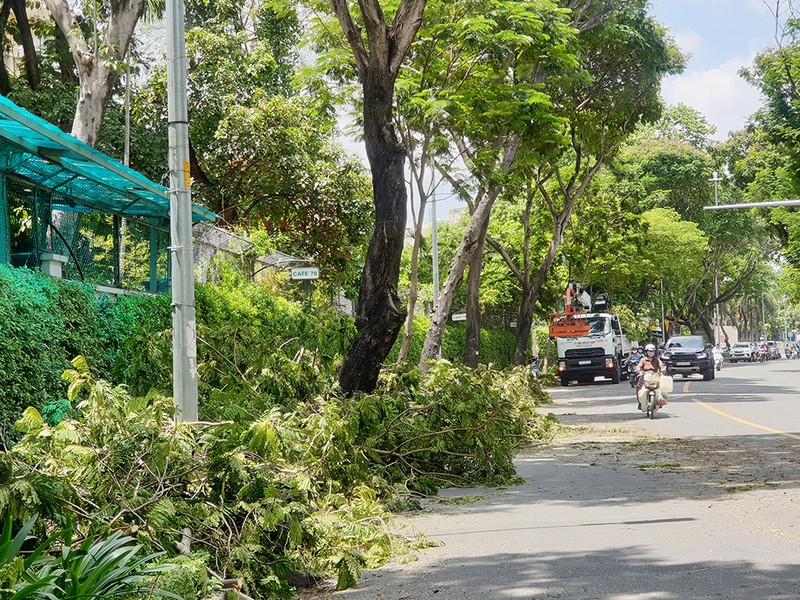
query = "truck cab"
{"x": 589, "y": 345}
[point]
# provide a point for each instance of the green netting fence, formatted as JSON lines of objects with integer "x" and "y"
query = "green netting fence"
{"x": 100, "y": 248}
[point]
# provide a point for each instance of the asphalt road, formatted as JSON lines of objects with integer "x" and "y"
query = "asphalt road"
{"x": 701, "y": 502}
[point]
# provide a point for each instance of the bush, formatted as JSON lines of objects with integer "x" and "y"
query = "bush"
{"x": 497, "y": 345}
{"x": 187, "y": 577}
{"x": 259, "y": 348}
{"x": 44, "y": 322}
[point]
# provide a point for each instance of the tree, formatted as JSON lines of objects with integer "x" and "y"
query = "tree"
{"x": 98, "y": 57}
{"x": 378, "y": 58}
{"x": 679, "y": 123}
{"x": 497, "y": 102}
{"x": 601, "y": 110}
{"x": 275, "y": 167}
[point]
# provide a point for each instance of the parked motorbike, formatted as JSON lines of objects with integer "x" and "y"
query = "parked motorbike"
{"x": 651, "y": 395}
{"x": 718, "y": 358}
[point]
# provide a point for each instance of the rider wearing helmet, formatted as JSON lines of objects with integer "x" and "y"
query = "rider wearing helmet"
{"x": 649, "y": 362}
{"x": 635, "y": 356}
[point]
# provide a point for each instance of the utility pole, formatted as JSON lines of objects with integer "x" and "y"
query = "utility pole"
{"x": 184, "y": 324}
{"x": 435, "y": 244}
{"x": 663, "y": 316}
{"x": 716, "y": 179}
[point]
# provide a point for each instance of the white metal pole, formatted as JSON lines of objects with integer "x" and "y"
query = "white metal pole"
{"x": 663, "y": 316}
{"x": 435, "y": 244}
{"x": 184, "y": 326}
{"x": 716, "y": 179}
{"x": 716, "y": 308}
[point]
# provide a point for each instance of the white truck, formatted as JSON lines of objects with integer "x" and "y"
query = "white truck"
{"x": 590, "y": 343}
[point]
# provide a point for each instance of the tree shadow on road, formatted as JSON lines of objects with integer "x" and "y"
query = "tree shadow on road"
{"x": 625, "y": 572}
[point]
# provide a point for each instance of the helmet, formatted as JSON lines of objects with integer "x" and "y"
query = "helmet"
{"x": 650, "y": 350}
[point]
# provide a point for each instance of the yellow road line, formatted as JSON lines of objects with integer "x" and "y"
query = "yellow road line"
{"x": 737, "y": 419}
{"x": 743, "y": 422}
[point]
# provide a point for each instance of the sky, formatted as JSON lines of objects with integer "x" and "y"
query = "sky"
{"x": 721, "y": 37}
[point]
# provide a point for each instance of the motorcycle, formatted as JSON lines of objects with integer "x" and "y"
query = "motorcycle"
{"x": 763, "y": 354}
{"x": 718, "y": 358}
{"x": 633, "y": 374}
{"x": 652, "y": 394}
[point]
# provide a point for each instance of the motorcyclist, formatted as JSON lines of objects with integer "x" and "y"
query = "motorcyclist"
{"x": 648, "y": 363}
{"x": 635, "y": 356}
{"x": 536, "y": 366}
{"x": 718, "y": 357}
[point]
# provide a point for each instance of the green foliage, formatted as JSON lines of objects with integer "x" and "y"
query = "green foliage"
{"x": 93, "y": 568}
{"x": 43, "y": 323}
{"x": 104, "y": 568}
{"x": 187, "y": 576}
{"x": 633, "y": 322}
{"x": 254, "y": 348}
{"x": 497, "y": 345}
{"x": 263, "y": 496}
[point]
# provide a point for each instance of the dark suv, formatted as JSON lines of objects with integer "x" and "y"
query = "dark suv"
{"x": 686, "y": 354}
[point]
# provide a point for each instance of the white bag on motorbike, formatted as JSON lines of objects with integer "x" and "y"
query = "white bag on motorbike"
{"x": 666, "y": 384}
{"x": 643, "y": 396}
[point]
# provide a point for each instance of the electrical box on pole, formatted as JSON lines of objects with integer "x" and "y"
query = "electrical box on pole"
{"x": 184, "y": 325}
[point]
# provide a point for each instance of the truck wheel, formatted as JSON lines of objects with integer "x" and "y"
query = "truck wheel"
{"x": 564, "y": 381}
{"x": 708, "y": 374}
{"x": 616, "y": 375}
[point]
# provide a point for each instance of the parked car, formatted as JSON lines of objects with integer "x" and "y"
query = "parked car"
{"x": 774, "y": 350}
{"x": 687, "y": 354}
{"x": 742, "y": 351}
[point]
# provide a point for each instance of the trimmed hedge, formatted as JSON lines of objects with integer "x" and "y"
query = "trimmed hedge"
{"x": 45, "y": 322}
{"x": 255, "y": 349}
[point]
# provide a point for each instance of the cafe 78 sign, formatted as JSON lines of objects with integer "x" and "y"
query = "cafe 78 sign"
{"x": 305, "y": 272}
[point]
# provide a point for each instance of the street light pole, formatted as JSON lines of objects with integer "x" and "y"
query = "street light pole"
{"x": 184, "y": 324}
{"x": 716, "y": 179}
{"x": 435, "y": 244}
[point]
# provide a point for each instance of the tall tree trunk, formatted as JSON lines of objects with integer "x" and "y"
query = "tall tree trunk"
{"x": 524, "y": 324}
{"x": 96, "y": 83}
{"x": 96, "y": 65}
{"x": 379, "y": 313}
{"x": 455, "y": 276}
{"x": 472, "y": 348}
{"x": 28, "y": 45}
{"x": 5, "y": 84}
{"x": 413, "y": 292}
{"x": 474, "y": 235}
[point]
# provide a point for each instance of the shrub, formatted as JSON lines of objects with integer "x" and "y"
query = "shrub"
{"x": 44, "y": 322}
{"x": 259, "y": 348}
{"x": 497, "y": 345}
{"x": 186, "y": 577}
